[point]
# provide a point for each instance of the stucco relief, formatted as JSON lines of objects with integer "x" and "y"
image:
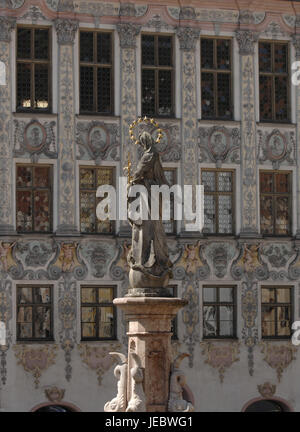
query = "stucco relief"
{"x": 158, "y": 23}
{"x": 99, "y": 256}
{"x": 211, "y": 15}
{"x": 98, "y": 358}
{"x": 274, "y": 30}
{"x": 67, "y": 260}
{"x": 267, "y": 390}
{"x": 54, "y": 394}
{"x": 98, "y": 140}
{"x": 35, "y": 360}
{"x": 5, "y": 316}
{"x": 35, "y": 253}
{"x": 249, "y": 263}
{"x": 35, "y": 138}
{"x": 11, "y": 4}
{"x": 277, "y": 147}
{"x": 219, "y": 144}
{"x": 249, "y": 315}
{"x": 220, "y": 254}
{"x": 33, "y": 14}
{"x": 190, "y": 315}
{"x": 278, "y": 357}
{"x": 221, "y": 356}
{"x": 277, "y": 254}
{"x": 120, "y": 268}
{"x": 191, "y": 262}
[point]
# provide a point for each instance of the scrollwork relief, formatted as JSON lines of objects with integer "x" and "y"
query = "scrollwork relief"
{"x": 219, "y": 144}
{"x": 220, "y": 356}
{"x": 277, "y": 147}
{"x": 278, "y": 357}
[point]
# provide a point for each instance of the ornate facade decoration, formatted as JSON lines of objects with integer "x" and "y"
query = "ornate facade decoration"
{"x": 176, "y": 401}
{"x": 120, "y": 267}
{"x": 54, "y": 394}
{"x": 279, "y": 357}
{"x": 11, "y": 4}
{"x": 6, "y": 26}
{"x": 159, "y": 25}
{"x": 249, "y": 314}
{"x": 65, "y": 6}
{"x": 187, "y": 37}
{"x": 267, "y": 390}
{"x": 187, "y": 13}
{"x": 5, "y": 317}
{"x": 6, "y": 258}
{"x": 34, "y": 138}
{"x": 190, "y": 316}
{"x": 66, "y": 30}
{"x": 99, "y": 256}
{"x": 277, "y": 254}
{"x": 35, "y": 360}
{"x": 137, "y": 399}
{"x": 34, "y": 14}
{"x": 249, "y": 263}
{"x": 274, "y": 31}
{"x": 127, "y": 9}
{"x": 98, "y": 358}
{"x": 246, "y": 17}
{"x": 220, "y": 255}
{"x": 289, "y": 20}
{"x": 127, "y": 34}
{"x": 246, "y": 40}
{"x": 192, "y": 261}
{"x": 296, "y": 43}
{"x": 277, "y": 147}
{"x": 98, "y": 141}
{"x": 67, "y": 260}
{"x": 219, "y": 144}
{"x": 220, "y": 357}
{"x": 35, "y": 253}
{"x": 118, "y": 404}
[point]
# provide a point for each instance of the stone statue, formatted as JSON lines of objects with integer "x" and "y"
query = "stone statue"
{"x": 177, "y": 381}
{"x": 118, "y": 404}
{"x": 137, "y": 399}
{"x": 148, "y": 259}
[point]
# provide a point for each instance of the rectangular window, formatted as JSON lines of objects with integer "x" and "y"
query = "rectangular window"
{"x": 90, "y": 179}
{"x": 274, "y": 81}
{"x": 216, "y": 78}
{"x": 34, "y": 312}
{"x": 96, "y": 72}
{"x": 275, "y": 202}
{"x": 171, "y": 176}
{"x": 219, "y": 312}
{"x": 33, "y": 69}
{"x": 98, "y": 316}
{"x": 157, "y": 75}
{"x": 218, "y": 201}
{"x": 276, "y": 314}
{"x": 34, "y": 198}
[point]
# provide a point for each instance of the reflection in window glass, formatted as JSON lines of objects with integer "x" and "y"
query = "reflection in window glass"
{"x": 218, "y": 312}
{"x": 276, "y": 312}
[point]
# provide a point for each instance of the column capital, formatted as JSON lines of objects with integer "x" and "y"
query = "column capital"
{"x": 246, "y": 40}
{"x": 66, "y": 30}
{"x": 127, "y": 34}
{"x": 296, "y": 43}
{"x": 6, "y": 26}
{"x": 187, "y": 37}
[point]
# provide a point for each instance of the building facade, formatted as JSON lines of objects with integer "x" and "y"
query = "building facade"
{"x": 218, "y": 79}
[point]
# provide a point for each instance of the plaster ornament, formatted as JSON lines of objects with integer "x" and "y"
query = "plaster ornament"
{"x": 118, "y": 404}
{"x": 6, "y": 258}
{"x": 267, "y": 390}
{"x": 137, "y": 399}
{"x": 54, "y": 394}
{"x": 176, "y": 402}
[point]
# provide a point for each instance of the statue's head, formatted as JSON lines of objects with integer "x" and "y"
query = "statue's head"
{"x": 146, "y": 140}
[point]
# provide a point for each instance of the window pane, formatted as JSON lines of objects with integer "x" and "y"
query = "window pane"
{"x": 282, "y": 215}
{"x": 268, "y": 295}
{"x": 165, "y": 93}
{"x": 266, "y": 182}
{"x": 24, "y": 331}
{"x": 86, "y": 88}
{"x": 209, "y": 313}
{"x": 88, "y": 330}
{"x": 86, "y": 178}
{"x": 148, "y": 92}
{"x": 165, "y": 51}
{"x": 281, "y": 97}
{"x": 225, "y": 214}
{"x": 41, "y": 176}
{"x": 104, "y": 48}
{"x": 42, "y": 322}
{"x": 225, "y": 181}
{"x": 265, "y": 97}
{"x": 41, "y": 76}
{"x": 106, "y": 320}
{"x": 209, "y": 214}
{"x": 106, "y": 295}
{"x": 223, "y": 54}
{"x": 87, "y": 212}
{"x": 88, "y": 314}
{"x": 24, "y": 43}
{"x": 42, "y": 295}
{"x": 209, "y": 294}
{"x": 226, "y": 328}
{"x": 23, "y": 85}
{"x": 88, "y": 295}
{"x": 207, "y": 53}
{"x": 280, "y": 58}
{"x": 269, "y": 313}
{"x": 148, "y": 50}
{"x": 282, "y": 182}
{"x": 265, "y": 57}
{"x": 24, "y": 211}
{"x": 104, "y": 87}
{"x": 209, "y": 328}
{"x": 266, "y": 215}
{"x": 207, "y": 86}
{"x": 24, "y": 176}
{"x": 24, "y": 314}
{"x": 86, "y": 47}
{"x": 283, "y": 313}
{"x": 283, "y": 295}
{"x": 24, "y": 295}
{"x": 268, "y": 328}
{"x": 226, "y": 313}
{"x": 226, "y": 294}
{"x": 104, "y": 176}
{"x": 224, "y": 92}
{"x": 41, "y": 44}
{"x": 41, "y": 211}
{"x": 209, "y": 181}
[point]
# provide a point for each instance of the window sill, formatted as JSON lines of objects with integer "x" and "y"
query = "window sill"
{"x": 35, "y": 341}
{"x": 221, "y": 339}
{"x": 274, "y": 122}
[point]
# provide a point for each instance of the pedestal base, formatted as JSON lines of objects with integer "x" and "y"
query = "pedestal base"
{"x": 149, "y": 337}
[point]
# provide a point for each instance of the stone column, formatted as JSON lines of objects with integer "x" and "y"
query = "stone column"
{"x": 187, "y": 39}
{"x": 128, "y": 107}
{"x": 296, "y": 42}
{"x": 149, "y": 338}
{"x": 248, "y": 182}
{"x": 66, "y": 30}
{"x": 6, "y": 161}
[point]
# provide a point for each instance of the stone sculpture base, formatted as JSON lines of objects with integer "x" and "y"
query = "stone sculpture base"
{"x": 149, "y": 337}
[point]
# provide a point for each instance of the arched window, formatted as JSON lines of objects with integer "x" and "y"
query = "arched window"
{"x": 267, "y": 405}
{"x": 54, "y": 408}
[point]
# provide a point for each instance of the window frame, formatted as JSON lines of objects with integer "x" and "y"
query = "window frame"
{"x": 32, "y": 189}
{"x": 273, "y": 42}
{"x": 114, "y": 170}
{"x": 215, "y": 73}
{"x": 274, "y": 194}
{"x": 217, "y": 304}
{"x": 217, "y": 193}
{"x": 96, "y": 66}
{"x": 157, "y": 68}
{"x": 32, "y": 63}
{"x": 276, "y": 304}
{"x": 34, "y": 306}
{"x": 97, "y": 306}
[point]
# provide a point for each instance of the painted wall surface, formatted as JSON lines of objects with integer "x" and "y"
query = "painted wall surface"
{"x": 223, "y": 375}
